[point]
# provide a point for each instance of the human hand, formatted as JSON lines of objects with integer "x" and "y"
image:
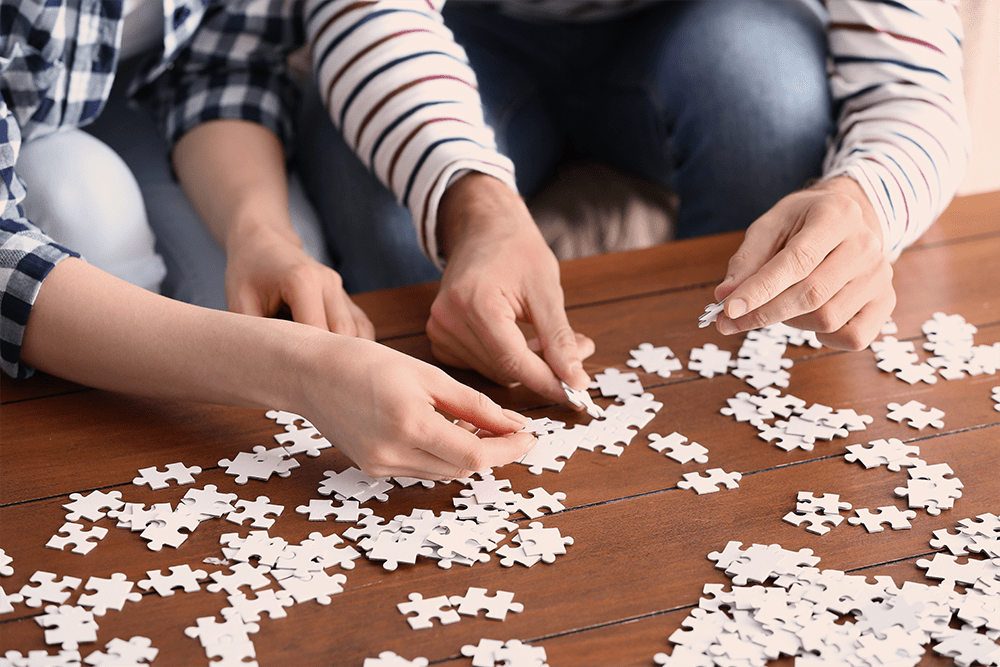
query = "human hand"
{"x": 383, "y": 409}
{"x": 816, "y": 261}
{"x": 500, "y": 272}
{"x": 266, "y": 270}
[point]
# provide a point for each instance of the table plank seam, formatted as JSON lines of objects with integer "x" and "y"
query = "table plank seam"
{"x": 919, "y": 438}
{"x": 35, "y": 398}
{"x": 951, "y": 241}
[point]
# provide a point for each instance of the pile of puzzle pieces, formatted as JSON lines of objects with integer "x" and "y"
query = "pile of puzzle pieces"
{"x": 802, "y": 612}
{"x": 258, "y": 559}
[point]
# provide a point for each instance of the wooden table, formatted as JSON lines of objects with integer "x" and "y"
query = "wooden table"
{"x": 638, "y": 563}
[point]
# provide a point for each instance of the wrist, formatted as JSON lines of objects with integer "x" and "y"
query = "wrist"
{"x": 255, "y": 228}
{"x": 476, "y": 203}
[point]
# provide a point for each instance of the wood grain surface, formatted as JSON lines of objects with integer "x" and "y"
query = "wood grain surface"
{"x": 639, "y": 560}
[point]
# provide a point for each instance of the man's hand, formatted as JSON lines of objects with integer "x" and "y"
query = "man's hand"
{"x": 500, "y": 272}
{"x": 265, "y": 270}
{"x": 816, "y": 261}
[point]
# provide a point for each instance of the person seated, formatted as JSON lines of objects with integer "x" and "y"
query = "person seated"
{"x": 73, "y": 319}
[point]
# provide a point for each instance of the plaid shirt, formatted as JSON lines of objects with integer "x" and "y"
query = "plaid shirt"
{"x": 220, "y": 59}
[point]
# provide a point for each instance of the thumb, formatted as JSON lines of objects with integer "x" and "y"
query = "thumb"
{"x": 760, "y": 243}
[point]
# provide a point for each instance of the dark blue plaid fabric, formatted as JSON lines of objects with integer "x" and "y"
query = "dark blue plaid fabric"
{"x": 221, "y": 59}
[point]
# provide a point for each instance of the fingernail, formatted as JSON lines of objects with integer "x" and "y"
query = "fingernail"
{"x": 727, "y": 326}
{"x": 516, "y": 417}
{"x": 736, "y": 308}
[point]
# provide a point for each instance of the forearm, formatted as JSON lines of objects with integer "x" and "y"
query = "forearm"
{"x": 89, "y": 327}
{"x": 479, "y": 204}
{"x": 233, "y": 172}
{"x": 402, "y": 92}
{"x": 902, "y": 129}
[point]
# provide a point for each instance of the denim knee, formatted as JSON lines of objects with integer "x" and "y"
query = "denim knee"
{"x": 756, "y": 113}
{"x": 81, "y": 193}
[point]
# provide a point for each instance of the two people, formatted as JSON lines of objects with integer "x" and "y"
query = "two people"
{"x": 442, "y": 116}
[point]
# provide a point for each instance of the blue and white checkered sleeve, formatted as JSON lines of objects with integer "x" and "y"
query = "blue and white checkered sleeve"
{"x": 234, "y": 67}
{"x": 26, "y": 254}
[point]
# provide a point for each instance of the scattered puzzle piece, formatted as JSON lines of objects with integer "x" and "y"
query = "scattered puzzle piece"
{"x": 78, "y": 537}
{"x": 476, "y": 599}
{"x": 91, "y": 506}
{"x": 710, "y": 361}
{"x": 513, "y": 652}
{"x": 8, "y": 600}
{"x": 828, "y": 503}
{"x": 896, "y": 518}
{"x": 210, "y": 632}
{"x": 546, "y": 543}
{"x": 319, "y": 587}
{"x": 124, "y": 653}
{"x": 68, "y": 626}
{"x": 165, "y": 529}
{"x": 243, "y": 574}
{"x": 678, "y": 450}
{"x": 256, "y": 510}
{"x": 260, "y": 464}
{"x": 355, "y": 484}
{"x": 815, "y": 521}
{"x": 967, "y": 647}
{"x": 742, "y": 409}
{"x": 285, "y": 418}
{"x": 613, "y": 383}
{"x": 482, "y": 654}
{"x": 512, "y": 554}
{"x": 110, "y": 593}
{"x": 914, "y": 412}
{"x": 891, "y": 453}
{"x": 349, "y": 511}
{"x": 538, "y": 499}
{"x": 710, "y": 481}
{"x": 249, "y": 609}
{"x": 181, "y": 576}
{"x": 390, "y": 659}
{"x": 659, "y": 360}
{"x": 208, "y": 503}
{"x": 158, "y": 480}
{"x": 426, "y": 610}
{"x": 48, "y": 589}
{"x": 136, "y": 517}
{"x": 307, "y": 440}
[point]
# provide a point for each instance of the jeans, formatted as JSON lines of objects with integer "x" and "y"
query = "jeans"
{"x": 725, "y": 103}
{"x": 83, "y": 195}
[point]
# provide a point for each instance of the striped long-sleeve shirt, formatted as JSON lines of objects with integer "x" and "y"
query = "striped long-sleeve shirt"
{"x": 404, "y": 96}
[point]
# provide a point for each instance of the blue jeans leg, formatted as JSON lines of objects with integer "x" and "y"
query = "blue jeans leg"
{"x": 727, "y": 103}
{"x": 519, "y": 66}
{"x": 371, "y": 238}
